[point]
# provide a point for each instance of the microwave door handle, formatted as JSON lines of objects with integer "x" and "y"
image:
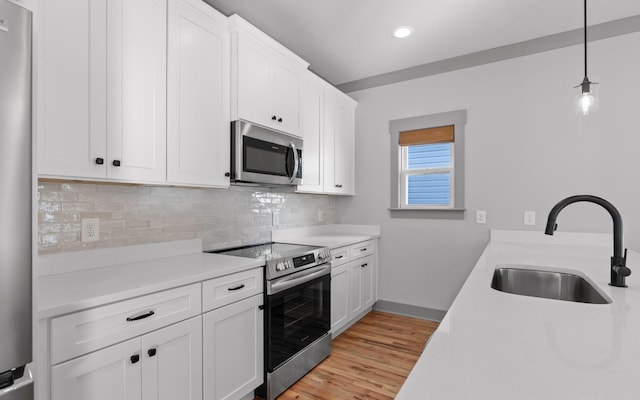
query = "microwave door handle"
{"x": 296, "y": 164}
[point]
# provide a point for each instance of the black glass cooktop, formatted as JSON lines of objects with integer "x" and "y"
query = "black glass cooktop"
{"x": 267, "y": 251}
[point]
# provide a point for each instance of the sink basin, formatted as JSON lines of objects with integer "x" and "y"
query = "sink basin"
{"x": 538, "y": 282}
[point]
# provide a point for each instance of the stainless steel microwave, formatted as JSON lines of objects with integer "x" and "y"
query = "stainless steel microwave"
{"x": 264, "y": 156}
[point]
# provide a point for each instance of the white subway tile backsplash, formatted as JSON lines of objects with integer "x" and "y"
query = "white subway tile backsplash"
{"x": 131, "y": 215}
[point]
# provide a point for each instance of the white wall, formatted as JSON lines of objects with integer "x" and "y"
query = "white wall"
{"x": 525, "y": 150}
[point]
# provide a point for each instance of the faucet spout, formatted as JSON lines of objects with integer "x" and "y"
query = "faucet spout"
{"x": 618, "y": 262}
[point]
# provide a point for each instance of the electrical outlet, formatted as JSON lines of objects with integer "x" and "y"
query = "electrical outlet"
{"x": 275, "y": 218}
{"x": 529, "y": 217}
{"x": 320, "y": 215}
{"x": 90, "y": 229}
{"x": 481, "y": 217}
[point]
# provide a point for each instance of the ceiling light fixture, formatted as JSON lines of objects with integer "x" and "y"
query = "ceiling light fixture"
{"x": 587, "y": 102}
{"x": 402, "y": 32}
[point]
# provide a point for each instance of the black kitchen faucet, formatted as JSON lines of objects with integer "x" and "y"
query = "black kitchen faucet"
{"x": 619, "y": 269}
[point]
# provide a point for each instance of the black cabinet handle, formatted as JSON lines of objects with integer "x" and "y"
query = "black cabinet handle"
{"x": 152, "y": 352}
{"x": 279, "y": 119}
{"x": 139, "y": 317}
{"x": 135, "y": 358}
{"x": 227, "y": 174}
{"x": 338, "y": 257}
{"x": 116, "y": 163}
{"x": 364, "y": 249}
{"x": 261, "y": 307}
{"x": 274, "y": 118}
{"x": 364, "y": 265}
{"x": 236, "y": 288}
{"x": 99, "y": 161}
{"x": 338, "y": 186}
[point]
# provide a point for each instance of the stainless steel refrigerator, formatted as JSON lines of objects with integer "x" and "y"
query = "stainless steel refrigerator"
{"x": 15, "y": 203}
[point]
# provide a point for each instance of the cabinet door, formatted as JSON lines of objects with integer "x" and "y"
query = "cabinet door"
{"x": 108, "y": 374}
{"x": 339, "y": 297}
{"x": 198, "y": 95}
{"x": 70, "y": 74}
{"x": 287, "y": 99}
{"x": 254, "y": 81}
{"x": 368, "y": 272}
{"x": 136, "y": 90}
{"x": 172, "y": 362}
{"x": 339, "y": 147}
{"x": 312, "y": 130}
{"x": 233, "y": 343}
{"x": 344, "y": 150}
{"x": 355, "y": 288}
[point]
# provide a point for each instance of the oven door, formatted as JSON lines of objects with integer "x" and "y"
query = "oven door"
{"x": 264, "y": 156}
{"x": 298, "y": 312}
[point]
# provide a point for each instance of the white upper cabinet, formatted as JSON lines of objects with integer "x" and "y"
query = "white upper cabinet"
{"x": 312, "y": 95}
{"x": 101, "y": 91}
{"x": 70, "y": 66}
{"x": 266, "y": 86}
{"x": 198, "y": 95}
{"x": 136, "y": 90}
{"x": 339, "y": 146}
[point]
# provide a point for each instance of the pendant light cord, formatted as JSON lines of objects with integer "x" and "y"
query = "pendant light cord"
{"x": 585, "y": 38}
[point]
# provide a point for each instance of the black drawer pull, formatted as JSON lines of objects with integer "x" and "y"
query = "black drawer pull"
{"x": 152, "y": 352}
{"x": 135, "y": 358}
{"x": 338, "y": 257}
{"x": 236, "y": 288}
{"x": 116, "y": 163}
{"x": 139, "y": 317}
{"x": 364, "y": 265}
{"x": 363, "y": 249}
{"x": 274, "y": 118}
{"x": 99, "y": 161}
{"x": 279, "y": 119}
{"x": 338, "y": 186}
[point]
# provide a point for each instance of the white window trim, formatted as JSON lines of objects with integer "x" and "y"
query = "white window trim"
{"x": 405, "y": 172}
{"x": 457, "y": 118}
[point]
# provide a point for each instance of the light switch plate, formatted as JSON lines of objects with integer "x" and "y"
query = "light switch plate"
{"x": 529, "y": 217}
{"x": 481, "y": 217}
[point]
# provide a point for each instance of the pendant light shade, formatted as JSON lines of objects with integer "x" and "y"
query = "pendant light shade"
{"x": 587, "y": 101}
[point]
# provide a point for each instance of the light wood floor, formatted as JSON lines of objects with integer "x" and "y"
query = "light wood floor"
{"x": 371, "y": 360}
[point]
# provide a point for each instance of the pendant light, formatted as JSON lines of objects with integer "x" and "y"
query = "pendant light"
{"x": 587, "y": 101}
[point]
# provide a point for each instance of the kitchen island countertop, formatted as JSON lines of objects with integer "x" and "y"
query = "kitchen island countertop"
{"x": 494, "y": 345}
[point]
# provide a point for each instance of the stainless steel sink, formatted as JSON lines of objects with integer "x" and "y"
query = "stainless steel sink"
{"x": 538, "y": 282}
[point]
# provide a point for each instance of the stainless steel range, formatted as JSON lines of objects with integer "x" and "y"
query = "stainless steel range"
{"x": 297, "y": 306}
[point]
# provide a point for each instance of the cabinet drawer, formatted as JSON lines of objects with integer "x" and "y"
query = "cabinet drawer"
{"x": 231, "y": 288}
{"x": 85, "y": 331}
{"x": 362, "y": 249}
{"x": 340, "y": 256}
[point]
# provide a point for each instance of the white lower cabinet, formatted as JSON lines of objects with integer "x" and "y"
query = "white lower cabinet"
{"x": 164, "y": 364}
{"x": 353, "y": 283}
{"x": 233, "y": 349}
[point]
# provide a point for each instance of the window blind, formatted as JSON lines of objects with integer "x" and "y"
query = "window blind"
{"x": 440, "y": 134}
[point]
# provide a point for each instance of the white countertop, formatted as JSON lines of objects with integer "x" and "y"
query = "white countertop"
{"x": 495, "y": 345}
{"x": 332, "y": 236}
{"x": 66, "y": 292}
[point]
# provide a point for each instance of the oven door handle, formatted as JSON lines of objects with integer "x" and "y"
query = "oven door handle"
{"x": 296, "y": 164}
{"x": 298, "y": 279}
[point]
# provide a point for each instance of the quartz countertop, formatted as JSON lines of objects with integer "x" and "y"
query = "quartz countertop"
{"x": 332, "y": 236}
{"x": 71, "y": 291}
{"x": 495, "y": 345}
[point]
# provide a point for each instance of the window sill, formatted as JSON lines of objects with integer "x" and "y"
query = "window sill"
{"x": 434, "y": 213}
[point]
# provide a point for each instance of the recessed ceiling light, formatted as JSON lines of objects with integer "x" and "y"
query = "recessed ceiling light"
{"x": 402, "y": 32}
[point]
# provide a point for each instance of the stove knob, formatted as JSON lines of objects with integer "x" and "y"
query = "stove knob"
{"x": 280, "y": 266}
{"x": 289, "y": 264}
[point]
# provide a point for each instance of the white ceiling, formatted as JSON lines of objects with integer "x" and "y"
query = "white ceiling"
{"x": 347, "y": 40}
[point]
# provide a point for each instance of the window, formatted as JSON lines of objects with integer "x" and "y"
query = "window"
{"x": 428, "y": 159}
